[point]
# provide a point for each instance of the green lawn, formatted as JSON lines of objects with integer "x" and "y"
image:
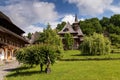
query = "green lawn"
{"x": 73, "y": 70}
{"x": 75, "y": 54}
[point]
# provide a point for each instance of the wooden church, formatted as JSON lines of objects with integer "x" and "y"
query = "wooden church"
{"x": 75, "y": 31}
{"x": 10, "y": 38}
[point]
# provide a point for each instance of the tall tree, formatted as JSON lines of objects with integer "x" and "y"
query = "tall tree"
{"x": 68, "y": 39}
{"x": 115, "y": 19}
{"x": 60, "y": 26}
{"x": 29, "y": 35}
{"x": 105, "y": 21}
{"x": 96, "y": 25}
{"x": 50, "y": 36}
{"x": 89, "y": 26}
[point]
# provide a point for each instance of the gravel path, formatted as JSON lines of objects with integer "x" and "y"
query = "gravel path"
{"x": 6, "y": 68}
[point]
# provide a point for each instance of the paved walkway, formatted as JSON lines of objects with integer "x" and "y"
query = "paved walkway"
{"x": 6, "y": 68}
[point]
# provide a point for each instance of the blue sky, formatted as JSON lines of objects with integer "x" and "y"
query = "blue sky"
{"x": 34, "y": 15}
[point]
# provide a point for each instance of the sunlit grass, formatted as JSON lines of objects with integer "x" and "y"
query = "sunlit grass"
{"x": 73, "y": 70}
{"x": 76, "y": 54}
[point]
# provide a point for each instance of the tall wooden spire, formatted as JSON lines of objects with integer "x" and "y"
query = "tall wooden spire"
{"x": 76, "y": 19}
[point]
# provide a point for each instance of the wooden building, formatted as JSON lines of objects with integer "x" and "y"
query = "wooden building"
{"x": 75, "y": 31}
{"x": 10, "y": 38}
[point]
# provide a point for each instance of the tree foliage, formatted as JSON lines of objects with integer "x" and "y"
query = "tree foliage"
{"x": 95, "y": 45}
{"x": 110, "y": 25}
{"x": 48, "y": 48}
{"x": 29, "y": 35}
{"x": 51, "y": 37}
{"x": 115, "y": 20}
{"x": 115, "y": 39}
{"x": 37, "y": 54}
{"x": 105, "y": 21}
{"x": 89, "y": 26}
{"x": 60, "y": 26}
{"x": 69, "y": 41}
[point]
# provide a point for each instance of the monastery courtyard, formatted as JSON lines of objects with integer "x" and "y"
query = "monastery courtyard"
{"x": 4, "y": 69}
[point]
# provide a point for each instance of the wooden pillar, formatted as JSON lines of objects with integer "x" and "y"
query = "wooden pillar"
{"x": 12, "y": 53}
{"x": 3, "y": 53}
{"x": 6, "y": 53}
{"x": 0, "y": 54}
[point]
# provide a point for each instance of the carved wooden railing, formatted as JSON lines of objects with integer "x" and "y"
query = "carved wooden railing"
{"x": 7, "y": 39}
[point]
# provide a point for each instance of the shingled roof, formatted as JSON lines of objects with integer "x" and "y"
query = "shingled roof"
{"x": 79, "y": 31}
{"x": 69, "y": 29}
{"x": 7, "y": 21}
{"x": 3, "y": 16}
{"x": 6, "y": 26}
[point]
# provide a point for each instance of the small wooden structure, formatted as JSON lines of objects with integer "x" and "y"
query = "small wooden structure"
{"x": 10, "y": 38}
{"x": 75, "y": 31}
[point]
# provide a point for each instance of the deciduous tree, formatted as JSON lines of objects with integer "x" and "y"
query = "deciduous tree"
{"x": 95, "y": 45}
{"x": 68, "y": 40}
{"x": 38, "y": 55}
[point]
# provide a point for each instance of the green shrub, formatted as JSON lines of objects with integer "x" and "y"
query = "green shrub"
{"x": 38, "y": 54}
{"x": 96, "y": 44}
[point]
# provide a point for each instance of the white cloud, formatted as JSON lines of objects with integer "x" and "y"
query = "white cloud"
{"x": 94, "y": 7}
{"x": 70, "y": 18}
{"x": 33, "y": 29}
{"x": 114, "y": 9}
{"x": 67, "y": 18}
{"x": 82, "y": 19}
{"x": 54, "y": 24}
{"x": 24, "y": 13}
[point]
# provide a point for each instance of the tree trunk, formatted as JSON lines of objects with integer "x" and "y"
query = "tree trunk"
{"x": 41, "y": 67}
{"x": 48, "y": 70}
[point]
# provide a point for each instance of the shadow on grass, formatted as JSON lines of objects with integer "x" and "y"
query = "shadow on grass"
{"x": 84, "y": 55}
{"x": 21, "y": 72}
{"x": 26, "y": 73}
{"x": 18, "y": 69}
{"x": 88, "y": 58}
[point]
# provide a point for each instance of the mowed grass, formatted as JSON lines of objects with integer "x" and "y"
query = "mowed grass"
{"x": 72, "y": 70}
{"x": 76, "y": 54}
